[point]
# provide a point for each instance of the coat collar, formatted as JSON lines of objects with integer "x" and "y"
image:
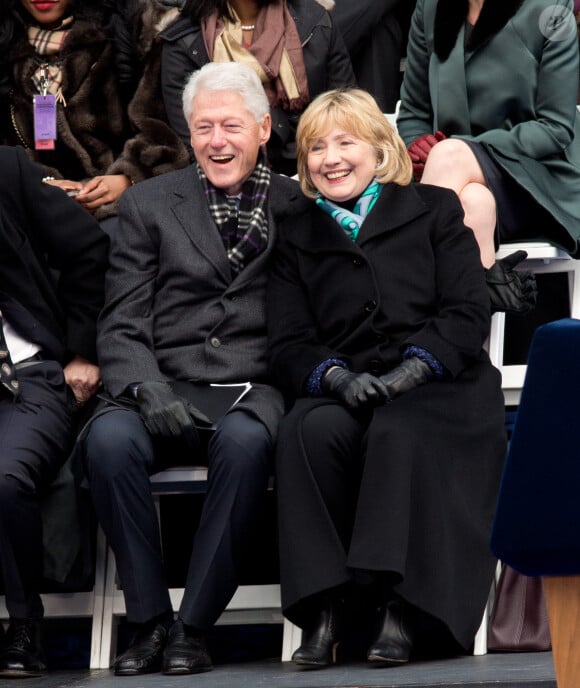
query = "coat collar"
{"x": 190, "y": 208}
{"x": 450, "y": 17}
{"x": 396, "y": 206}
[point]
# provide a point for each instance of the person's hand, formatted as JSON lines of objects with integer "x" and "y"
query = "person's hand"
{"x": 511, "y": 290}
{"x": 419, "y": 151}
{"x": 353, "y": 389}
{"x": 83, "y": 377}
{"x": 166, "y": 414}
{"x": 101, "y": 190}
{"x": 409, "y": 374}
{"x": 67, "y": 185}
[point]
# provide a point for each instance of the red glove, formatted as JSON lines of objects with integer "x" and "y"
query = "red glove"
{"x": 419, "y": 151}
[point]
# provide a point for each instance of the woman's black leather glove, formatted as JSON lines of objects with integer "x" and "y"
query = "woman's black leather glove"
{"x": 510, "y": 290}
{"x": 166, "y": 414}
{"x": 411, "y": 373}
{"x": 353, "y": 389}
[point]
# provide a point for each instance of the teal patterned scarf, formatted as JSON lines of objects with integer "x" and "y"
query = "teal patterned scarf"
{"x": 351, "y": 221}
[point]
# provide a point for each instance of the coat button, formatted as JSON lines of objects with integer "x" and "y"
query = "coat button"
{"x": 370, "y": 305}
{"x": 375, "y": 367}
{"x": 357, "y": 261}
{"x": 215, "y": 342}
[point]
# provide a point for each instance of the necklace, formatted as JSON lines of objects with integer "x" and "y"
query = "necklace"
{"x": 248, "y": 27}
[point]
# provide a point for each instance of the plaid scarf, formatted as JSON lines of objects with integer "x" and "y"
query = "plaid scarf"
{"x": 244, "y": 230}
{"x": 351, "y": 221}
{"x": 49, "y": 42}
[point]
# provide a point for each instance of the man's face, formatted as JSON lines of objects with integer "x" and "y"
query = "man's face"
{"x": 226, "y": 138}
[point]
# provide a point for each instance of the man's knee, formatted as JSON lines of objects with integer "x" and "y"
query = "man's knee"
{"x": 112, "y": 442}
{"x": 241, "y": 444}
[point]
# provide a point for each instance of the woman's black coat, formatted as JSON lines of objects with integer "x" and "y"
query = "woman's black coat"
{"x": 434, "y": 454}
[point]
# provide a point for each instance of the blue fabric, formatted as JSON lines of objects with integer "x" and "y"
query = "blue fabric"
{"x": 537, "y": 521}
{"x": 351, "y": 221}
{"x": 313, "y": 386}
{"x": 434, "y": 363}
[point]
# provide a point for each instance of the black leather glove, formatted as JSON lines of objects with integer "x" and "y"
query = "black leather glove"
{"x": 409, "y": 374}
{"x": 353, "y": 389}
{"x": 510, "y": 290}
{"x": 166, "y": 414}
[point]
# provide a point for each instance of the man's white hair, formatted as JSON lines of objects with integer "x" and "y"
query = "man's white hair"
{"x": 227, "y": 76}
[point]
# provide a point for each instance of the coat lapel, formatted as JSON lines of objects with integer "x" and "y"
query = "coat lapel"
{"x": 192, "y": 212}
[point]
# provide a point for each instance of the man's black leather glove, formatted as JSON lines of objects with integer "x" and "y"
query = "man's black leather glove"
{"x": 409, "y": 374}
{"x": 166, "y": 414}
{"x": 510, "y": 290}
{"x": 353, "y": 389}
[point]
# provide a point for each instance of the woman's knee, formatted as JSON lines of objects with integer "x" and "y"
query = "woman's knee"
{"x": 451, "y": 158}
{"x": 330, "y": 429}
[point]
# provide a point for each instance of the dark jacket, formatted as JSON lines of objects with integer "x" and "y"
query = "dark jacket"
{"x": 173, "y": 309}
{"x": 325, "y": 57}
{"x": 411, "y": 278}
{"x": 53, "y": 257}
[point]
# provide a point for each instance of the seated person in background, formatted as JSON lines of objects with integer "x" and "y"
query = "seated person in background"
{"x": 293, "y": 46}
{"x": 377, "y": 315}
{"x": 63, "y": 49}
{"x": 48, "y": 370}
{"x": 185, "y": 300}
{"x": 488, "y": 109}
{"x": 373, "y": 36}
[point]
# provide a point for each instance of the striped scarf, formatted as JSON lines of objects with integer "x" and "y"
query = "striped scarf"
{"x": 351, "y": 221}
{"x": 244, "y": 230}
{"x": 49, "y": 42}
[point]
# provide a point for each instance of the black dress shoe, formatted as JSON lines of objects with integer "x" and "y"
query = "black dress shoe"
{"x": 22, "y": 654}
{"x": 320, "y": 640}
{"x": 394, "y": 641}
{"x": 145, "y": 652}
{"x": 186, "y": 651}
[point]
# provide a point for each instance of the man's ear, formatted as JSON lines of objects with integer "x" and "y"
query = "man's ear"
{"x": 265, "y": 129}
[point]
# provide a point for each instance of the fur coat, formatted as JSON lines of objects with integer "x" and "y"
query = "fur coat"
{"x": 98, "y": 132}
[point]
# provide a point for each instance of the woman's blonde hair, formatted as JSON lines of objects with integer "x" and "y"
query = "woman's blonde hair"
{"x": 357, "y": 112}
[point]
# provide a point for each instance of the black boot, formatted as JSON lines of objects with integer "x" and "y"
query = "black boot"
{"x": 511, "y": 290}
{"x": 22, "y": 653}
{"x": 320, "y": 639}
{"x": 394, "y": 641}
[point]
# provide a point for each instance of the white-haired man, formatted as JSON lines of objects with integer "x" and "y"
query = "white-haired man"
{"x": 185, "y": 301}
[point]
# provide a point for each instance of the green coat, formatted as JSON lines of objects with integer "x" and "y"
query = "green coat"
{"x": 514, "y": 92}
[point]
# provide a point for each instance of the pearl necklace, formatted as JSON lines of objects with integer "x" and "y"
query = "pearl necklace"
{"x": 248, "y": 27}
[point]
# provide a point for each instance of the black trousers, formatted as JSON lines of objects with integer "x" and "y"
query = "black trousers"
{"x": 36, "y": 432}
{"x": 374, "y": 39}
{"x": 121, "y": 455}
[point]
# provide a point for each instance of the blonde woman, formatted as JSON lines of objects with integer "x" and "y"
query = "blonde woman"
{"x": 388, "y": 463}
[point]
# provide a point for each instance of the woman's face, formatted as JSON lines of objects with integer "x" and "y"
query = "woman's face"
{"x": 341, "y": 165}
{"x": 49, "y": 13}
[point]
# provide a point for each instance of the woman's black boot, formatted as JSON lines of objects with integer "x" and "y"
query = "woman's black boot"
{"x": 320, "y": 639}
{"x": 394, "y": 641}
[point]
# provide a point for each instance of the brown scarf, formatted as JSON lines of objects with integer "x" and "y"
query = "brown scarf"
{"x": 275, "y": 53}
